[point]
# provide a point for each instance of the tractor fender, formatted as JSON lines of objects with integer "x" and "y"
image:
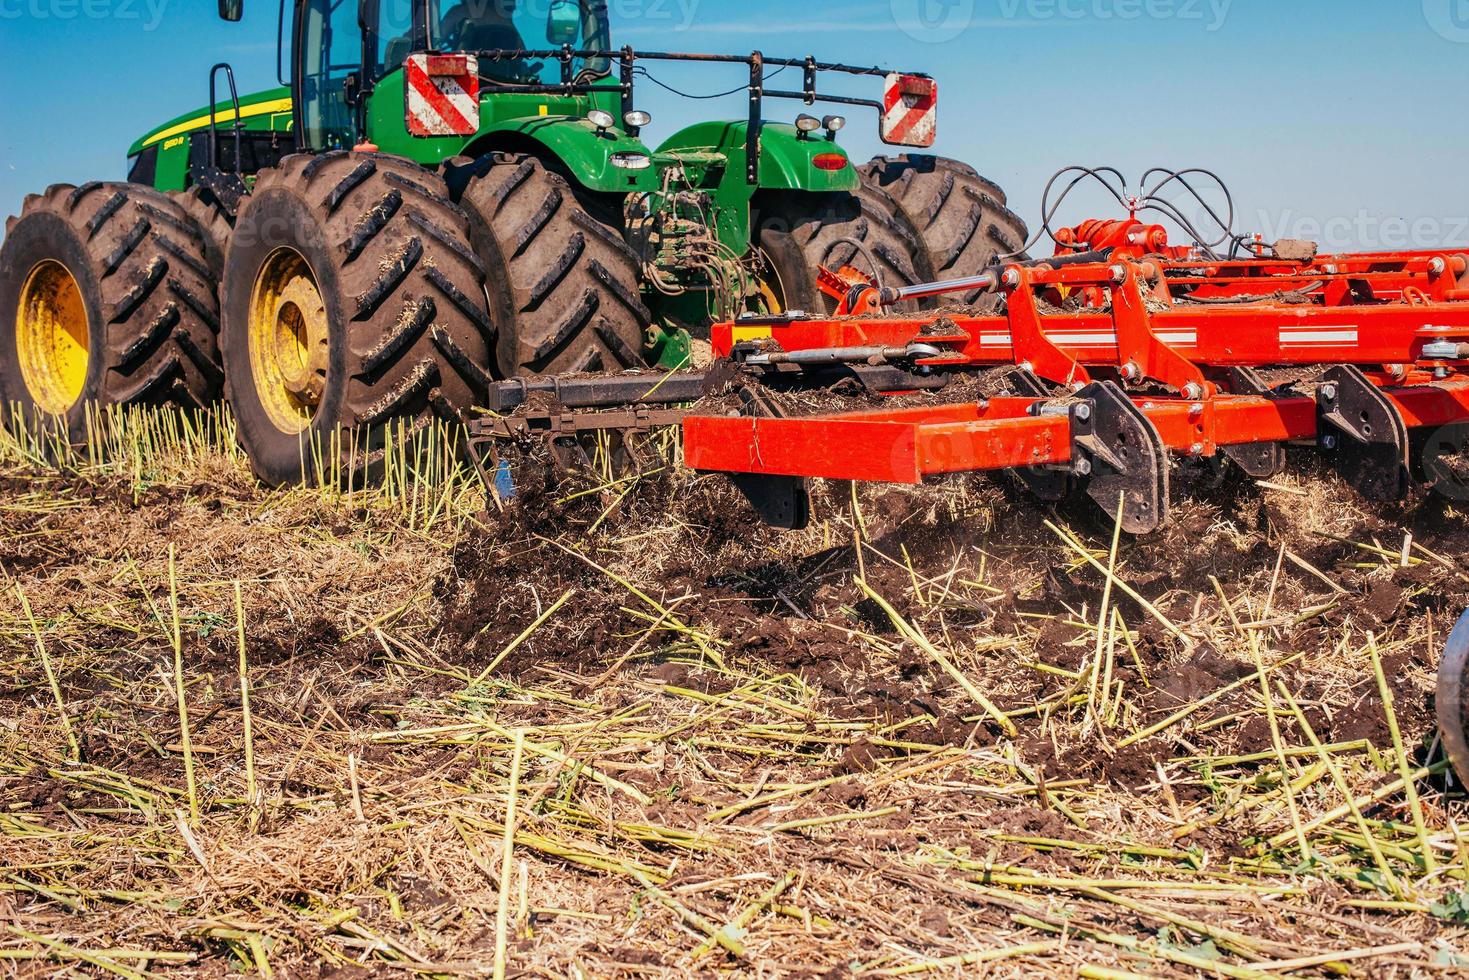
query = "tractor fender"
{"x": 576, "y": 146}
{"x": 552, "y": 128}
{"x": 787, "y": 160}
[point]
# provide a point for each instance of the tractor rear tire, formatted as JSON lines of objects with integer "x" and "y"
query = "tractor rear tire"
{"x": 214, "y": 223}
{"x": 353, "y": 311}
{"x": 961, "y": 215}
{"x": 105, "y": 299}
{"x": 801, "y": 232}
{"x": 564, "y": 286}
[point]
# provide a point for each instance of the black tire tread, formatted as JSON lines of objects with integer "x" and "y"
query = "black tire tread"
{"x": 564, "y": 284}
{"x": 822, "y": 226}
{"x": 961, "y": 215}
{"x": 158, "y": 297}
{"x": 210, "y": 222}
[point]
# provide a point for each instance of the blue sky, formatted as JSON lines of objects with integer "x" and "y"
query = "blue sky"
{"x": 1341, "y": 121}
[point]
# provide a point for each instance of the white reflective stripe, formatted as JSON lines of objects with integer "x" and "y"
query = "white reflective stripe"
{"x": 1294, "y": 336}
{"x": 1186, "y": 337}
{"x": 1098, "y": 339}
{"x": 1062, "y": 339}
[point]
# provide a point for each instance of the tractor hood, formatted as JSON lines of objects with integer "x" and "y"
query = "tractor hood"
{"x": 269, "y": 111}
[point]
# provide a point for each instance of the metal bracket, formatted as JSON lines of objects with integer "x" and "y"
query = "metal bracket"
{"x": 1261, "y": 460}
{"x": 228, "y": 189}
{"x": 1127, "y": 461}
{"x": 1033, "y": 350}
{"x": 1367, "y": 432}
{"x": 1050, "y": 485}
{"x": 1141, "y": 353}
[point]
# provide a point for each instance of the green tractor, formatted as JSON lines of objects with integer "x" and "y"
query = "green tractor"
{"x": 443, "y": 194}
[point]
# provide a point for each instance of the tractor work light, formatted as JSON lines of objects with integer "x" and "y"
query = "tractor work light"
{"x": 834, "y": 124}
{"x": 636, "y": 119}
{"x": 631, "y": 161}
{"x": 807, "y": 124}
{"x": 601, "y": 118}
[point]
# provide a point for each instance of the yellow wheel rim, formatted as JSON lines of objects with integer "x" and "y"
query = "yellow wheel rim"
{"x": 769, "y": 295}
{"x": 53, "y": 337}
{"x": 288, "y": 340}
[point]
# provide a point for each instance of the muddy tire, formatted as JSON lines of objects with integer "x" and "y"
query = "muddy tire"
{"x": 564, "y": 287}
{"x": 214, "y": 224}
{"x": 961, "y": 215}
{"x": 105, "y": 299}
{"x": 353, "y": 311}
{"x": 800, "y": 232}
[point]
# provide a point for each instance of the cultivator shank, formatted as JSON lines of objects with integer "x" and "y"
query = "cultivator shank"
{"x": 1117, "y": 357}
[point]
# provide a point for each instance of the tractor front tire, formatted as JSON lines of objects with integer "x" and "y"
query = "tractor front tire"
{"x": 353, "y": 312}
{"x": 105, "y": 299}
{"x": 799, "y": 232}
{"x": 961, "y": 216}
{"x": 564, "y": 286}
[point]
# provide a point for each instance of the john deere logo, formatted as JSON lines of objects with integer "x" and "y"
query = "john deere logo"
{"x": 934, "y": 21}
{"x": 1448, "y": 18}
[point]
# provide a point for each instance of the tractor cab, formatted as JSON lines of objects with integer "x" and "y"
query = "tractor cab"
{"x": 340, "y": 52}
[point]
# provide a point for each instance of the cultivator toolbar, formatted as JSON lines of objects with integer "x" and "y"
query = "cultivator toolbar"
{"x": 1109, "y": 362}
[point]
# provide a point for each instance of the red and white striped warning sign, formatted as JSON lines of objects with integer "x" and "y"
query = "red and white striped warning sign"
{"x": 442, "y": 94}
{"x": 910, "y": 110}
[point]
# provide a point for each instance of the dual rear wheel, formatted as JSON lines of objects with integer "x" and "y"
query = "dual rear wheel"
{"x": 105, "y": 299}
{"x": 360, "y": 294}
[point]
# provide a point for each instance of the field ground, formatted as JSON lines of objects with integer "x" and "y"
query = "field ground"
{"x": 930, "y": 735}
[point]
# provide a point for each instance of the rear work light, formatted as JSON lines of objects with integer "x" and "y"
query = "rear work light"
{"x": 829, "y": 161}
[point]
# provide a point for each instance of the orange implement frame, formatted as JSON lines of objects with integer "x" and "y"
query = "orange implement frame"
{"x": 1165, "y": 346}
{"x": 907, "y": 445}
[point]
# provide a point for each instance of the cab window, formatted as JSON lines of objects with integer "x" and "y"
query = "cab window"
{"x": 393, "y": 35}
{"x": 331, "y": 52}
{"x": 519, "y": 25}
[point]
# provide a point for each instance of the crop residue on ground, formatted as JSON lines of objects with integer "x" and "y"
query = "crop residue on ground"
{"x": 932, "y": 734}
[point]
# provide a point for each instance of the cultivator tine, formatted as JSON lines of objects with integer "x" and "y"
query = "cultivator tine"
{"x": 780, "y": 501}
{"x": 1366, "y": 431}
{"x": 1048, "y": 483}
{"x": 1261, "y": 460}
{"x": 1118, "y": 449}
{"x": 1444, "y": 458}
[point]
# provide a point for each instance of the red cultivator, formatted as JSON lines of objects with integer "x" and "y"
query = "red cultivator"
{"x": 1118, "y": 356}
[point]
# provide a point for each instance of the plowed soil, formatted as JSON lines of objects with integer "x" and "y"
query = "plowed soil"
{"x": 922, "y": 736}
